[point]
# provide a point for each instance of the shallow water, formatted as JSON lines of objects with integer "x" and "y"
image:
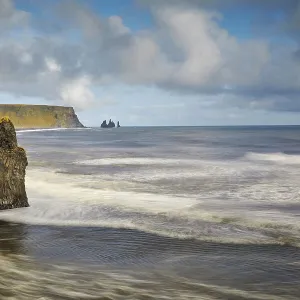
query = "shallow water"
{"x": 156, "y": 213}
{"x": 82, "y": 263}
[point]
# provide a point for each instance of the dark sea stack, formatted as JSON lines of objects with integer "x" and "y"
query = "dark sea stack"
{"x": 13, "y": 162}
{"x": 104, "y": 125}
{"x": 118, "y": 125}
{"x": 111, "y": 124}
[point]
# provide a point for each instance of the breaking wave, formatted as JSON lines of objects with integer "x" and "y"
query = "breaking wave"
{"x": 278, "y": 158}
{"x": 137, "y": 161}
{"x": 77, "y": 200}
{"x": 18, "y": 131}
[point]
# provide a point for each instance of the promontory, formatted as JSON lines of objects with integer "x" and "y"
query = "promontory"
{"x": 40, "y": 116}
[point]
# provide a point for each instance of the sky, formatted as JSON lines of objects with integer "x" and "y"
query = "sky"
{"x": 155, "y": 62}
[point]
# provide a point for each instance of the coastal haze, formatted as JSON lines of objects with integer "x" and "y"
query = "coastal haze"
{"x": 156, "y": 213}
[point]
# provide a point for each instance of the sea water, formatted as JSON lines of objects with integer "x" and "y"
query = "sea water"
{"x": 156, "y": 213}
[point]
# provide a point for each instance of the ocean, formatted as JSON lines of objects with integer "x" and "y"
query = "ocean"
{"x": 156, "y": 213}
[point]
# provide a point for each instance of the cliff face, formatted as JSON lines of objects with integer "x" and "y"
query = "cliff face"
{"x": 13, "y": 162}
{"x": 40, "y": 116}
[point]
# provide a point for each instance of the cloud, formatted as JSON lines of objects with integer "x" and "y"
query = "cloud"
{"x": 77, "y": 93}
{"x": 288, "y": 9}
{"x": 10, "y": 17}
{"x": 186, "y": 51}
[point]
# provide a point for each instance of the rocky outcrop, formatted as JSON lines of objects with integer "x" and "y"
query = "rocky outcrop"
{"x": 40, "y": 116}
{"x": 13, "y": 162}
{"x": 111, "y": 124}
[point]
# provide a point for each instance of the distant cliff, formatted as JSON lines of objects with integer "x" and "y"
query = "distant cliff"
{"x": 40, "y": 116}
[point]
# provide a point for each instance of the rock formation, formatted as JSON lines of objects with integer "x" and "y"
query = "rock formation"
{"x": 111, "y": 124}
{"x": 118, "y": 124}
{"x": 40, "y": 116}
{"x": 13, "y": 162}
{"x": 104, "y": 124}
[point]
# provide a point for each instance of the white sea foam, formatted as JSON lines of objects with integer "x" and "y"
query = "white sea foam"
{"x": 77, "y": 188}
{"x": 60, "y": 199}
{"x": 278, "y": 158}
{"x": 137, "y": 161}
{"x": 49, "y": 129}
{"x": 41, "y": 129}
{"x": 167, "y": 168}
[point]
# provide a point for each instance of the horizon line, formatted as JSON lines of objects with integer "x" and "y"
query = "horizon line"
{"x": 247, "y": 125}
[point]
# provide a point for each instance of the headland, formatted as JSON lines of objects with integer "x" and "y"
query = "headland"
{"x": 25, "y": 116}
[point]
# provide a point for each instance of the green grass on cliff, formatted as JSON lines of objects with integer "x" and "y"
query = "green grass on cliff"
{"x": 38, "y": 116}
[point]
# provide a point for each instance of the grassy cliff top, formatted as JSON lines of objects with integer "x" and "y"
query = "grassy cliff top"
{"x": 34, "y": 105}
{"x": 40, "y": 116}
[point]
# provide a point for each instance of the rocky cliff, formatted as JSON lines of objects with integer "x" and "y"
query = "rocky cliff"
{"x": 40, "y": 116}
{"x": 13, "y": 162}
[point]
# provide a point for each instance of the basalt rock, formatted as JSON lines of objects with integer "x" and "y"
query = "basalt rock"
{"x": 13, "y": 162}
{"x": 111, "y": 124}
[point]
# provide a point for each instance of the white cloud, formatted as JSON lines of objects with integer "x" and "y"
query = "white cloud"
{"x": 52, "y": 65}
{"x": 77, "y": 93}
{"x": 26, "y": 58}
{"x": 10, "y": 17}
{"x": 186, "y": 51}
